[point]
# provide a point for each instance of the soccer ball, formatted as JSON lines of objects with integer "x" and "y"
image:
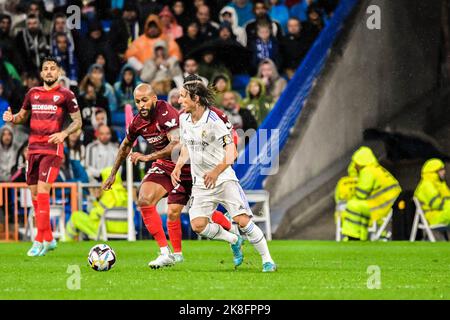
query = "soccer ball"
{"x": 101, "y": 257}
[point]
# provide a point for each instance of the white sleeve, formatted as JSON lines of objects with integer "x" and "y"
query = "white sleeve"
{"x": 222, "y": 133}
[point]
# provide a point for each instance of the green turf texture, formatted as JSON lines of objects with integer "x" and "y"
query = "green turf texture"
{"x": 307, "y": 270}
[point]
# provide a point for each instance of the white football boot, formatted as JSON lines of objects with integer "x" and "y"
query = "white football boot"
{"x": 163, "y": 260}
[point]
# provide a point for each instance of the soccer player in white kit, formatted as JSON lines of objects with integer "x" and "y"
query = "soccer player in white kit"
{"x": 207, "y": 142}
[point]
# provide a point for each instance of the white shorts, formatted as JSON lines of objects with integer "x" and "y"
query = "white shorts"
{"x": 229, "y": 194}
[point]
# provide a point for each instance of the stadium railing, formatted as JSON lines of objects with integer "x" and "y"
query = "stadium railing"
{"x": 15, "y": 201}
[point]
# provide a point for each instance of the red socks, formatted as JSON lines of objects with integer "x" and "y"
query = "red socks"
{"x": 42, "y": 214}
{"x": 153, "y": 222}
{"x": 175, "y": 234}
{"x": 219, "y": 218}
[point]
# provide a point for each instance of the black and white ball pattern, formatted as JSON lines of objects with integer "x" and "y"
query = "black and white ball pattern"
{"x": 101, "y": 257}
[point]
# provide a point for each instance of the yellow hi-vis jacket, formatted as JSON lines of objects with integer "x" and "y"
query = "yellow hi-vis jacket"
{"x": 434, "y": 194}
{"x": 345, "y": 190}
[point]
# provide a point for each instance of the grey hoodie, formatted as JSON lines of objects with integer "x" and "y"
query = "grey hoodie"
{"x": 8, "y": 155}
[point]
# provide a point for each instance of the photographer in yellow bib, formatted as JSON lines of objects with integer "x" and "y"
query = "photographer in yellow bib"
{"x": 433, "y": 193}
{"x": 375, "y": 193}
{"x": 89, "y": 223}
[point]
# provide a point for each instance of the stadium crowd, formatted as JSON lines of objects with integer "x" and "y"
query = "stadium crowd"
{"x": 246, "y": 50}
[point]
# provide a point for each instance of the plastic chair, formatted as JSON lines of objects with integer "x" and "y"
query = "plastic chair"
{"x": 420, "y": 222}
{"x": 112, "y": 214}
{"x": 56, "y": 212}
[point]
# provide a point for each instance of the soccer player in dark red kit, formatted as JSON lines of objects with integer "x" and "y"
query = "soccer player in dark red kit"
{"x": 48, "y": 107}
{"x": 157, "y": 123}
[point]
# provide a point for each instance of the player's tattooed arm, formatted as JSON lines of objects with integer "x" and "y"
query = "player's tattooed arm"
{"x": 18, "y": 118}
{"x": 59, "y": 137}
{"x": 76, "y": 123}
{"x": 124, "y": 150}
{"x": 168, "y": 151}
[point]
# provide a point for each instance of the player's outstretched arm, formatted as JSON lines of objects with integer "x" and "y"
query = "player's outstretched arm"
{"x": 210, "y": 178}
{"x": 18, "y": 118}
{"x": 73, "y": 127}
{"x": 176, "y": 173}
{"x": 174, "y": 142}
{"x": 124, "y": 150}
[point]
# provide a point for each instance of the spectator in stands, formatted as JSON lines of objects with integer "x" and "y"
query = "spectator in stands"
{"x": 191, "y": 39}
{"x": 65, "y": 54}
{"x": 294, "y": 46}
{"x": 35, "y": 9}
{"x": 32, "y": 44}
{"x": 180, "y": 14}
{"x": 279, "y": 12}
{"x": 89, "y": 223}
{"x": 240, "y": 118}
{"x": 226, "y": 33}
{"x": 142, "y": 49}
{"x": 300, "y": 10}
{"x": 170, "y": 26}
{"x": 209, "y": 66}
{"x": 265, "y": 46}
{"x": 12, "y": 88}
{"x": 261, "y": 11}
{"x": 229, "y": 14}
{"x": 100, "y": 153}
{"x": 95, "y": 42}
{"x": 71, "y": 170}
{"x": 8, "y": 152}
{"x": 190, "y": 67}
{"x": 244, "y": 11}
{"x": 64, "y": 82}
{"x": 32, "y": 79}
{"x": 221, "y": 83}
{"x": 99, "y": 118}
{"x": 7, "y": 42}
{"x": 96, "y": 76}
{"x": 268, "y": 73}
{"x": 4, "y": 104}
{"x": 75, "y": 147}
{"x": 256, "y": 100}
{"x": 125, "y": 30}
{"x": 124, "y": 88}
{"x": 315, "y": 22}
{"x": 173, "y": 97}
{"x": 89, "y": 101}
{"x": 208, "y": 29}
{"x": 160, "y": 70}
{"x": 19, "y": 170}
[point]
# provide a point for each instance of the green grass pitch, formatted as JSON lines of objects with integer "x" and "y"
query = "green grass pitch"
{"x": 307, "y": 270}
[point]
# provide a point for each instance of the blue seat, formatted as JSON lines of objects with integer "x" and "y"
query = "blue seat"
{"x": 240, "y": 82}
{"x": 106, "y": 25}
{"x": 118, "y": 119}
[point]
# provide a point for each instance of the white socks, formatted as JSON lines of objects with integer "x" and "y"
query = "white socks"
{"x": 216, "y": 232}
{"x": 256, "y": 237}
{"x": 165, "y": 250}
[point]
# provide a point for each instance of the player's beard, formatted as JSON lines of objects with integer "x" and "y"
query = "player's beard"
{"x": 146, "y": 111}
{"x": 50, "y": 82}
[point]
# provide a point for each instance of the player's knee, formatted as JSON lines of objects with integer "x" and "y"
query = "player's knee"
{"x": 198, "y": 226}
{"x": 172, "y": 214}
{"x": 146, "y": 200}
{"x": 242, "y": 220}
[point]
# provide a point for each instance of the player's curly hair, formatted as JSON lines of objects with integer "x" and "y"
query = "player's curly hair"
{"x": 195, "y": 87}
{"x": 50, "y": 59}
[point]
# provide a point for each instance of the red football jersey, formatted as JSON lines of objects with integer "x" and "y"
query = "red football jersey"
{"x": 163, "y": 118}
{"x": 48, "y": 113}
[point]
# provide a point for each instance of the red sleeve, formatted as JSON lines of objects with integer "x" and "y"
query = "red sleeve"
{"x": 71, "y": 102}
{"x": 168, "y": 118}
{"x": 132, "y": 134}
{"x": 26, "y": 102}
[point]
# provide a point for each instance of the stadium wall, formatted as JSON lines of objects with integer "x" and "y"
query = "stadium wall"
{"x": 369, "y": 77}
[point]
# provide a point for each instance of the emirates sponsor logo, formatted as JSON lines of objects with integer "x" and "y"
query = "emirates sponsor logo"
{"x": 44, "y": 107}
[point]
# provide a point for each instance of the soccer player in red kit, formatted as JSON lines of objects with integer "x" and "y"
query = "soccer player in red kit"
{"x": 157, "y": 123}
{"x": 48, "y": 107}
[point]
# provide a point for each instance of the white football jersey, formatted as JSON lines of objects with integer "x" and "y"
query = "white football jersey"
{"x": 205, "y": 141}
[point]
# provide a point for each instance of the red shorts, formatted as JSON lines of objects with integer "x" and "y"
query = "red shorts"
{"x": 175, "y": 195}
{"x": 42, "y": 167}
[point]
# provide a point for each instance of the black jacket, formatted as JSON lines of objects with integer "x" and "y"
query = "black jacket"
{"x": 250, "y": 29}
{"x": 294, "y": 49}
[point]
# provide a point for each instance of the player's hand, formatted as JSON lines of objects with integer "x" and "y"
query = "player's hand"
{"x": 109, "y": 182}
{"x": 8, "y": 115}
{"x": 176, "y": 177}
{"x": 135, "y": 157}
{"x": 210, "y": 179}
{"x": 57, "y": 138}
